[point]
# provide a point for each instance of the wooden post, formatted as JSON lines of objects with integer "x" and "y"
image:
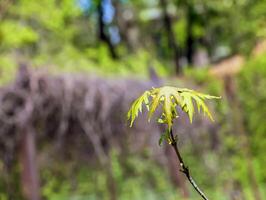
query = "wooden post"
{"x": 29, "y": 170}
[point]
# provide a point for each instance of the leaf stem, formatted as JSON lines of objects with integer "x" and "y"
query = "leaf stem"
{"x": 184, "y": 169}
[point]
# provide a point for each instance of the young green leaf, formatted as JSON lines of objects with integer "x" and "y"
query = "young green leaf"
{"x": 137, "y": 107}
{"x": 170, "y": 97}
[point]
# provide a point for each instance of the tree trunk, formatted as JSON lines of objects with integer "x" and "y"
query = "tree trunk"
{"x": 170, "y": 35}
{"x": 190, "y": 38}
{"x": 102, "y": 35}
{"x": 122, "y": 25}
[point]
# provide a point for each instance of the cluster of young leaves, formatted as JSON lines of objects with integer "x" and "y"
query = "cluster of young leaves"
{"x": 170, "y": 98}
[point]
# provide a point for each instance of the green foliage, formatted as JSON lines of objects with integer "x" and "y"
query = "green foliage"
{"x": 202, "y": 77}
{"x": 15, "y": 34}
{"x": 91, "y": 61}
{"x": 252, "y": 84}
{"x": 7, "y": 68}
{"x": 199, "y": 75}
{"x": 169, "y": 98}
{"x": 180, "y": 30}
{"x": 54, "y": 20}
{"x": 133, "y": 177}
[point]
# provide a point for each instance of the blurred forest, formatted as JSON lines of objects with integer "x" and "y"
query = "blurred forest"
{"x": 69, "y": 70}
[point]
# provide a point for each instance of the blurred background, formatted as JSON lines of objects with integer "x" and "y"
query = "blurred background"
{"x": 69, "y": 70}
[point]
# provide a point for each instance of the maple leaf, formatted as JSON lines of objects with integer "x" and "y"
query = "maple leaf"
{"x": 169, "y": 98}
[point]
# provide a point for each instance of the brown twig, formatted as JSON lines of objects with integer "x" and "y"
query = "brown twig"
{"x": 184, "y": 168}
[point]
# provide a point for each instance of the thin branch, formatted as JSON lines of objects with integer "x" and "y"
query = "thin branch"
{"x": 184, "y": 168}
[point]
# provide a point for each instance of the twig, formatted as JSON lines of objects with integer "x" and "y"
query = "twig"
{"x": 184, "y": 168}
